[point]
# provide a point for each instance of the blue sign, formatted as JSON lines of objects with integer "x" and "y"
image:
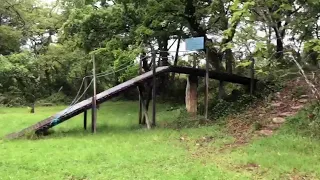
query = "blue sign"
{"x": 193, "y": 44}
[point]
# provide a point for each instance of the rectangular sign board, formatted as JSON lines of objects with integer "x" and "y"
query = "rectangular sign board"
{"x": 194, "y": 44}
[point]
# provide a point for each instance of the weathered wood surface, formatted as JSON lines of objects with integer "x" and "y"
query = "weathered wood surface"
{"x": 191, "y": 98}
{"x": 114, "y": 91}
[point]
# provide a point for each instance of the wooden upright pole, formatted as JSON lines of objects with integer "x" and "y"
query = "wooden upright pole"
{"x": 94, "y": 98}
{"x": 85, "y": 114}
{"x": 144, "y": 108}
{"x": 207, "y": 85}
{"x": 154, "y": 88}
{"x": 140, "y": 98}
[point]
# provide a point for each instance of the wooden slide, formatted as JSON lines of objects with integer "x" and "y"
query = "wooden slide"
{"x": 114, "y": 91}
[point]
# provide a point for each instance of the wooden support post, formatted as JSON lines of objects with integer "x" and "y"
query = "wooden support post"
{"x": 94, "y": 99}
{"x": 140, "y": 101}
{"x": 85, "y": 113}
{"x": 207, "y": 85}
{"x": 144, "y": 109}
{"x": 252, "y": 73}
{"x": 154, "y": 89}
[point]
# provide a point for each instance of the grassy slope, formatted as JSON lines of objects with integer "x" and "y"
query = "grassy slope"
{"x": 122, "y": 150}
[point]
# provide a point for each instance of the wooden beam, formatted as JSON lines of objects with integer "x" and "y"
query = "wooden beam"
{"x": 144, "y": 109}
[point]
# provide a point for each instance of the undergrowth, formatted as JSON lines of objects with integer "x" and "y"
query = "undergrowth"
{"x": 57, "y": 98}
{"x": 185, "y": 120}
{"x": 222, "y": 108}
{"x": 307, "y": 121}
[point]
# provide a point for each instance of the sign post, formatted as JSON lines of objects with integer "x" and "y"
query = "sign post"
{"x": 207, "y": 85}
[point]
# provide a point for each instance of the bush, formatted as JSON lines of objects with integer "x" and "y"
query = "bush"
{"x": 9, "y": 100}
{"x": 307, "y": 121}
{"x": 57, "y": 98}
{"x": 222, "y": 108}
{"x": 186, "y": 121}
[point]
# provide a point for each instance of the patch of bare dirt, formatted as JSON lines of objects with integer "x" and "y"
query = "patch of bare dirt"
{"x": 249, "y": 167}
{"x": 295, "y": 175}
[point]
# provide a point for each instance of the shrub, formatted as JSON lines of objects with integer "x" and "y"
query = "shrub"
{"x": 10, "y": 100}
{"x": 184, "y": 120}
{"x": 57, "y": 98}
{"x": 222, "y": 108}
{"x": 307, "y": 121}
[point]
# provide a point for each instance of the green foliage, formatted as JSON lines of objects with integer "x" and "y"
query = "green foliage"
{"x": 222, "y": 108}
{"x": 307, "y": 122}
{"x": 57, "y": 99}
{"x": 184, "y": 120}
{"x": 10, "y": 40}
{"x": 20, "y": 76}
{"x": 61, "y": 38}
{"x": 12, "y": 100}
{"x": 312, "y": 51}
{"x": 245, "y": 63}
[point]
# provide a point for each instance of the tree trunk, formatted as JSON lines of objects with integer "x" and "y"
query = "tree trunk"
{"x": 229, "y": 60}
{"x": 145, "y": 65}
{"x": 280, "y": 36}
{"x": 32, "y": 111}
{"x": 164, "y": 78}
{"x": 192, "y": 95}
{"x": 176, "y": 57}
{"x": 215, "y": 60}
{"x": 279, "y": 53}
{"x": 148, "y": 99}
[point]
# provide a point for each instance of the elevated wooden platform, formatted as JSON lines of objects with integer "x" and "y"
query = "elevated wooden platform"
{"x": 114, "y": 91}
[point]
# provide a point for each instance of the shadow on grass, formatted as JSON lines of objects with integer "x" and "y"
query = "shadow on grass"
{"x": 116, "y": 129}
{"x": 101, "y": 130}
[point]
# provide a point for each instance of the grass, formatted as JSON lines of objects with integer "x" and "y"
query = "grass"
{"x": 123, "y": 150}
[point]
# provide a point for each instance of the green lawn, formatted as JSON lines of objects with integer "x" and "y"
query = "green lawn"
{"x": 123, "y": 150}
